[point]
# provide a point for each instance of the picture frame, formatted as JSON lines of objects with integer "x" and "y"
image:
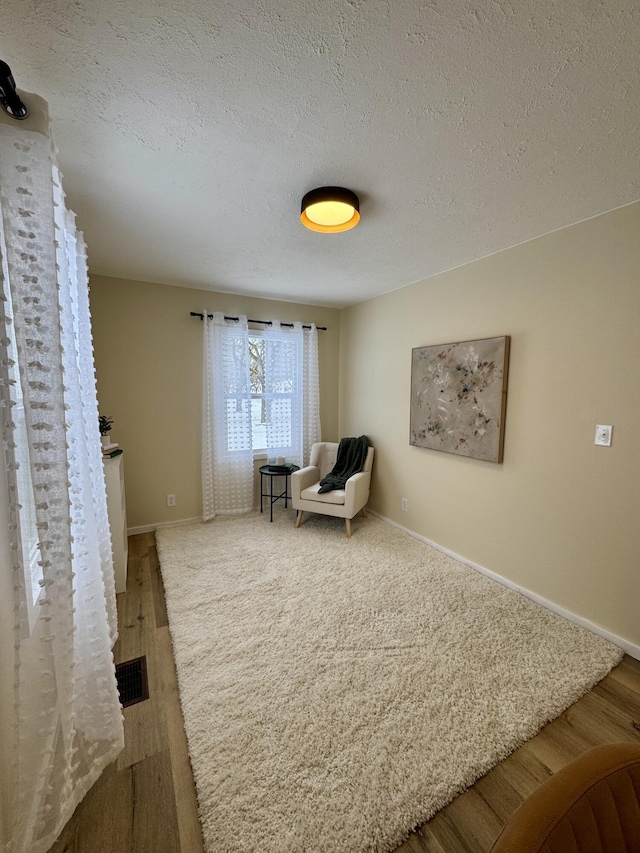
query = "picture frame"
{"x": 459, "y": 396}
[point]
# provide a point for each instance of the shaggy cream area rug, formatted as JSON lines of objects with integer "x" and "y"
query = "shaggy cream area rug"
{"x": 337, "y": 693}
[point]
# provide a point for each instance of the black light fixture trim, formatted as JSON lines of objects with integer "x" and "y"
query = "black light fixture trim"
{"x": 338, "y": 194}
{"x": 9, "y": 99}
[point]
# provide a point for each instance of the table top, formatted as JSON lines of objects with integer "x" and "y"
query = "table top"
{"x": 278, "y": 472}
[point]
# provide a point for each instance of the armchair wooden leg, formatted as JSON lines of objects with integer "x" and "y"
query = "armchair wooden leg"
{"x": 299, "y": 518}
{"x": 348, "y": 523}
{"x": 364, "y": 512}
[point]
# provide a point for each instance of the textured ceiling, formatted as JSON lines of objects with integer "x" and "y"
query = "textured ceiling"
{"x": 188, "y": 132}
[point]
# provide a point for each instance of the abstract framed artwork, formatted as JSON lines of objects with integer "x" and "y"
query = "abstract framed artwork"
{"x": 458, "y": 397}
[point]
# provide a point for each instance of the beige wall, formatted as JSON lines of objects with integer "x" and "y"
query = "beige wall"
{"x": 559, "y": 516}
{"x": 148, "y": 353}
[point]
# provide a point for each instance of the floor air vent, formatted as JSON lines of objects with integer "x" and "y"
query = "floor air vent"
{"x": 132, "y": 681}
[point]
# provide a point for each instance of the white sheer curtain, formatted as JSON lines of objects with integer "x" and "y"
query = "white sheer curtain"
{"x": 283, "y": 390}
{"x": 311, "y": 430}
{"x": 292, "y": 390}
{"x": 286, "y": 384}
{"x": 227, "y": 449}
{"x": 66, "y": 713}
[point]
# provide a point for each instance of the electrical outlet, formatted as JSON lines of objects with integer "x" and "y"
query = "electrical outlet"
{"x": 171, "y": 500}
{"x": 603, "y": 435}
{"x": 404, "y": 505}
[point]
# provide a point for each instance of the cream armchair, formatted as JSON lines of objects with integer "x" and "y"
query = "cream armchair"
{"x": 341, "y": 503}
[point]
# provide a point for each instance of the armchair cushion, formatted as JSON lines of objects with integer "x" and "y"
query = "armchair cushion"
{"x": 313, "y": 493}
{"x": 323, "y": 456}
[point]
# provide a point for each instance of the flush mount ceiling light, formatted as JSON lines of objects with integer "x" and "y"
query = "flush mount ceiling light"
{"x": 330, "y": 209}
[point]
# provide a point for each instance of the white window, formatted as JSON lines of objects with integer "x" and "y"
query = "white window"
{"x": 275, "y": 370}
{"x": 275, "y": 395}
{"x": 258, "y": 402}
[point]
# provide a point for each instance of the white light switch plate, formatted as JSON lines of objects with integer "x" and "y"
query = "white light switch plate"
{"x": 603, "y": 435}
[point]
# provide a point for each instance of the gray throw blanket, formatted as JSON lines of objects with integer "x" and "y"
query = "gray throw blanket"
{"x": 352, "y": 453}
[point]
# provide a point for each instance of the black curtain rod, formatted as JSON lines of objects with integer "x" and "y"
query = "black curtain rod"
{"x": 9, "y": 98}
{"x": 263, "y": 322}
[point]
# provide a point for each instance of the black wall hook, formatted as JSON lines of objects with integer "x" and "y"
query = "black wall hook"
{"x": 9, "y": 100}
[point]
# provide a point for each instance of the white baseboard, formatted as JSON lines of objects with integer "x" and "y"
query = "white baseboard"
{"x": 150, "y": 528}
{"x": 627, "y": 646}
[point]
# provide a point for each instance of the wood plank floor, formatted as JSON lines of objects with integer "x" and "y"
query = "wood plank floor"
{"x": 145, "y": 801}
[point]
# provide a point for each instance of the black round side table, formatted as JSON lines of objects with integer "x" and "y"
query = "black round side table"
{"x": 268, "y": 471}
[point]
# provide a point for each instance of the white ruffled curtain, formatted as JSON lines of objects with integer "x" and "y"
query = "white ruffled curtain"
{"x": 67, "y": 718}
{"x": 227, "y": 450}
{"x": 291, "y": 395}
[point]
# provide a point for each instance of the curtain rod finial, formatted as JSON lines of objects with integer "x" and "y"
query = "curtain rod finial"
{"x": 9, "y": 98}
